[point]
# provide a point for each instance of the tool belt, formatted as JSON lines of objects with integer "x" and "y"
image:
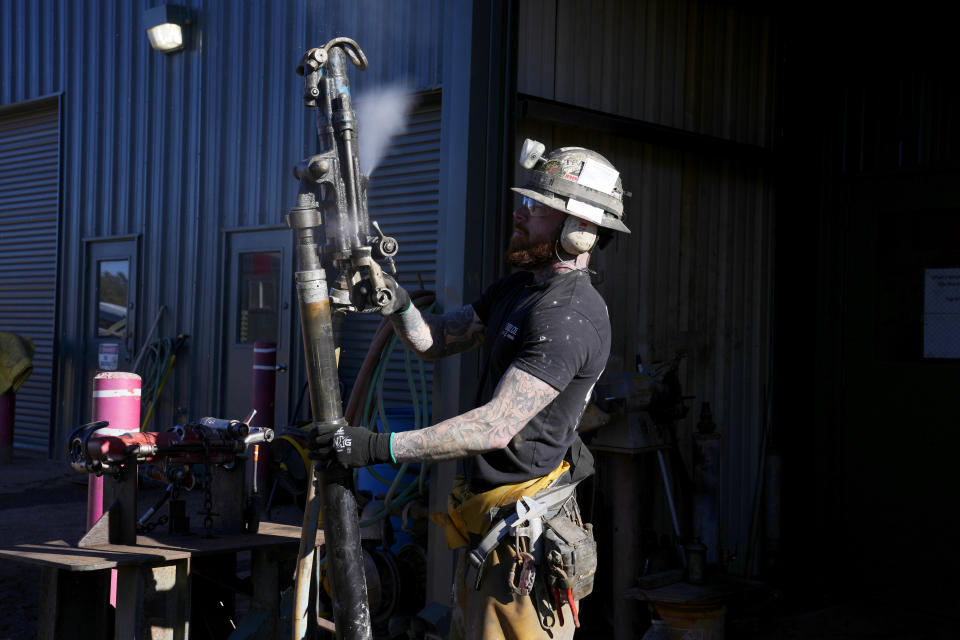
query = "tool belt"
{"x": 548, "y": 536}
{"x": 526, "y": 521}
{"x": 471, "y": 514}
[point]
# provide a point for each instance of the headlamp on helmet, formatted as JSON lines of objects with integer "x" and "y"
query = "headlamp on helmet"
{"x": 530, "y": 153}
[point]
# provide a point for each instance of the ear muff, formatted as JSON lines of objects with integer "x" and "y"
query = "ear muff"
{"x": 577, "y": 235}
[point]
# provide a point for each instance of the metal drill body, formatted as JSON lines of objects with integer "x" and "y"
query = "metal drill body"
{"x": 332, "y": 197}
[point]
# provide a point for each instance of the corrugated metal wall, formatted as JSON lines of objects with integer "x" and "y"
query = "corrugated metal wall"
{"x": 698, "y": 65}
{"x": 897, "y": 120}
{"x": 403, "y": 198}
{"x": 29, "y": 219}
{"x": 180, "y": 147}
{"x": 696, "y": 274}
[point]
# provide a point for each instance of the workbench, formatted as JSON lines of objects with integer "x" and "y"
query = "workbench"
{"x": 158, "y": 580}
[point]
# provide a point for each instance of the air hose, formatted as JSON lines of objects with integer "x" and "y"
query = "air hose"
{"x": 397, "y": 495}
{"x": 155, "y": 368}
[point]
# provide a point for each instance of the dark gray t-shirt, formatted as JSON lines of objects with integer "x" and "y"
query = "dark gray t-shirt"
{"x": 557, "y": 331}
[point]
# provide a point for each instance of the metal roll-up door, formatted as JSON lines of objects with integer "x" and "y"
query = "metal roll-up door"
{"x": 29, "y": 204}
{"x": 403, "y": 197}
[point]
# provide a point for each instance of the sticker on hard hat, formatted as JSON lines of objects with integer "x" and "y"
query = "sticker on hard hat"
{"x": 570, "y": 177}
{"x": 584, "y": 210}
{"x": 598, "y": 176}
{"x": 552, "y": 168}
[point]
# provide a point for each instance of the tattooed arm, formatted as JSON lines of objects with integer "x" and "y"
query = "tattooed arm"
{"x": 518, "y": 398}
{"x": 434, "y": 336}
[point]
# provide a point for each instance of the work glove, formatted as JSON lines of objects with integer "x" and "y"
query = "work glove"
{"x": 400, "y": 301}
{"x": 349, "y": 446}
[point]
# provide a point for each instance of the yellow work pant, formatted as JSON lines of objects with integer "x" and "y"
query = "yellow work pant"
{"x": 496, "y": 613}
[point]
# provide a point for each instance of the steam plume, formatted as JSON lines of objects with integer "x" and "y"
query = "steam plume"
{"x": 382, "y": 113}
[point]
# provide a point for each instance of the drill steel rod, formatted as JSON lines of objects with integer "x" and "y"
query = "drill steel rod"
{"x": 329, "y": 490}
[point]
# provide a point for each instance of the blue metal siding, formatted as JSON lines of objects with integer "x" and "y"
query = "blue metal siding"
{"x": 402, "y": 40}
{"x": 180, "y": 147}
{"x": 31, "y": 54}
{"x": 403, "y": 197}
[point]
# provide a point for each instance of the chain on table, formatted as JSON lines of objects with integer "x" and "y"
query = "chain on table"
{"x": 148, "y": 527}
{"x": 208, "y": 511}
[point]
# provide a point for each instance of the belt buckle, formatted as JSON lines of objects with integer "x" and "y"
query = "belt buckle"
{"x": 474, "y": 572}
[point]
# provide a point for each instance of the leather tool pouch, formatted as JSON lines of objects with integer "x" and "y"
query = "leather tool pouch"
{"x": 571, "y": 554}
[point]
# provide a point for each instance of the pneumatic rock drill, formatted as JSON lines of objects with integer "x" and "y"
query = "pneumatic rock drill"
{"x": 332, "y": 196}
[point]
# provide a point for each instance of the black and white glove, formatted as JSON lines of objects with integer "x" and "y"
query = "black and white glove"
{"x": 400, "y": 301}
{"x": 350, "y": 446}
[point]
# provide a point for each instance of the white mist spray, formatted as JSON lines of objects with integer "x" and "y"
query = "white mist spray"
{"x": 382, "y": 113}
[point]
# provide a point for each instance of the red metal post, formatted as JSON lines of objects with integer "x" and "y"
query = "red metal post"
{"x": 7, "y": 411}
{"x": 264, "y": 399}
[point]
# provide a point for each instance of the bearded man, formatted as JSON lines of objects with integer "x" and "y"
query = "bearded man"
{"x": 545, "y": 335}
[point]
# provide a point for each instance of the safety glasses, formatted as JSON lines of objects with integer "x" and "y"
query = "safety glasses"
{"x": 536, "y": 209}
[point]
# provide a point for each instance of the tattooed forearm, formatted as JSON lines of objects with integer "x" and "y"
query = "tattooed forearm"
{"x": 433, "y": 336}
{"x": 518, "y": 398}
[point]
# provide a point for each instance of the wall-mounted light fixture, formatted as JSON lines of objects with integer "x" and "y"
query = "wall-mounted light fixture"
{"x": 166, "y": 27}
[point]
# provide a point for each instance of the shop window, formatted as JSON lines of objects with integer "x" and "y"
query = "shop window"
{"x": 113, "y": 295}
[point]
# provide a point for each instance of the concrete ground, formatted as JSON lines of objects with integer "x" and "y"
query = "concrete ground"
{"x": 43, "y": 500}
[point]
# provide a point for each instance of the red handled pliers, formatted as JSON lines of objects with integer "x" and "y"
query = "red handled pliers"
{"x": 573, "y": 606}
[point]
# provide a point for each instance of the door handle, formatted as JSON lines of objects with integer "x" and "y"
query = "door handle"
{"x": 280, "y": 368}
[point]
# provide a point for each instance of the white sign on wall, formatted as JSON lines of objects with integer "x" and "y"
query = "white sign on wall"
{"x": 941, "y": 313}
{"x": 108, "y": 356}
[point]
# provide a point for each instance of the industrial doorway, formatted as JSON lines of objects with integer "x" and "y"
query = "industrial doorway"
{"x": 110, "y": 326}
{"x": 257, "y": 297}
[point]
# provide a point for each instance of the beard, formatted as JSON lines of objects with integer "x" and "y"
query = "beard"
{"x": 525, "y": 255}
